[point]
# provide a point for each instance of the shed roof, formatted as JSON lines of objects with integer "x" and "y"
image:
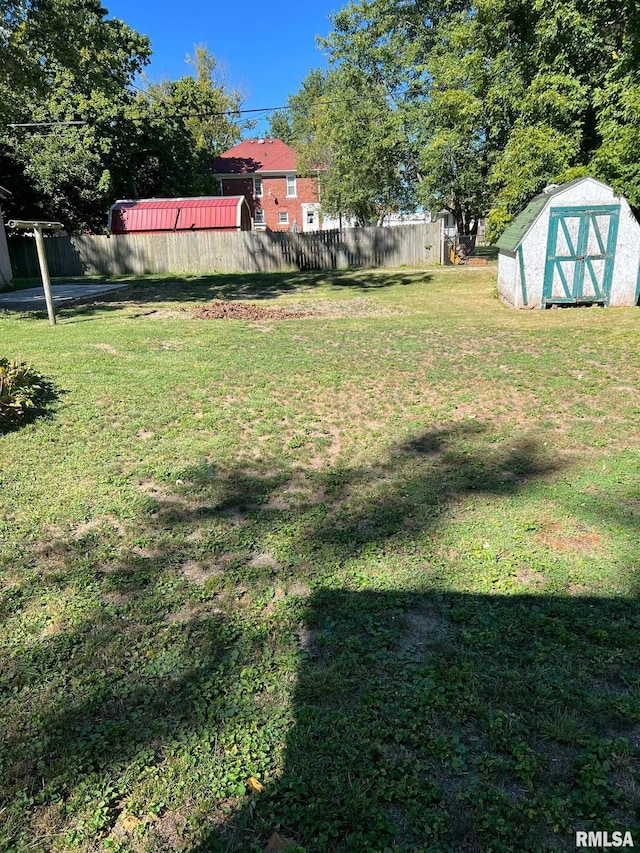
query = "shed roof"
{"x": 256, "y": 156}
{"x": 176, "y": 214}
{"x": 519, "y": 226}
{"x": 163, "y": 203}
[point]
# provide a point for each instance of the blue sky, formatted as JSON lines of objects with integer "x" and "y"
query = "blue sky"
{"x": 266, "y": 50}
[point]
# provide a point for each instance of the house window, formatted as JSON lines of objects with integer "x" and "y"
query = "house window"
{"x": 283, "y": 217}
{"x": 291, "y": 186}
{"x": 257, "y": 187}
{"x": 311, "y": 217}
{"x": 259, "y": 216}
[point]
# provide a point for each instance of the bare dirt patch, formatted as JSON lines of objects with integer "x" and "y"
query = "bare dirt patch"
{"x": 111, "y": 350}
{"x": 167, "y": 314}
{"x": 222, "y": 309}
{"x": 632, "y": 505}
{"x": 262, "y": 561}
{"x": 191, "y": 612}
{"x": 200, "y": 573}
{"x": 116, "y": 598}
{"x": 297, "y": 493}
{"x": 148, "y": 552}
{"x": 423, "y": 625}
{"x": 578, "y": 589}
{"x": 48, "y": 820}
{"x": 299, "y": 589}
{"x": 53, "y": 553}
{"x": 235, "y": 515}
{"x": 307, "y": 639}
{"x": 332, "y": 435}
{"x": 86, "y": 527}
{"x": 171, "y": 504}
{"x": 171, "y": 829}
{"x": 581, "y": 540}
{"x": 421, "y": 629}
{"x": 529, "y": 577}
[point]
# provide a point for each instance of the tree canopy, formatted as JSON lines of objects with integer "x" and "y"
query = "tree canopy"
{"x": 66, "y": 61}
{"x": 466, "y": 105}
{"x": 347, "y": 133}
{"x": 486, "y": 101}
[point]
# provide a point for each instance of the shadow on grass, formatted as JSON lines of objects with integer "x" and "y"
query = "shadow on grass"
{"x": 238, "y": 286}
{"x": 245, "y": 627}
{"x": 439, "y": 721}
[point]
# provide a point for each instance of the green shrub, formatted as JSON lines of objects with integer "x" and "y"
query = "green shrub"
{"x": 19, "y": 390}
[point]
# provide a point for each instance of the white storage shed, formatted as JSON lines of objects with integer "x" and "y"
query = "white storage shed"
{"x": 574, "y": 244}
{"x": 5, "y": 261}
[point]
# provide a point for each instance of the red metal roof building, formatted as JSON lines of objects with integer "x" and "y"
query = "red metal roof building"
{"x": 264, "y": 171}
{"x": 206, "y": 213}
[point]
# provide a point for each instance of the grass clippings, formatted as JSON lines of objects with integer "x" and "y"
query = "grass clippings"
{"x": 221, "y": 310}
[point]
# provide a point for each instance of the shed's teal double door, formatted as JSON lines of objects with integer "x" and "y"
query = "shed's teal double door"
{"x": 580, "y": 254}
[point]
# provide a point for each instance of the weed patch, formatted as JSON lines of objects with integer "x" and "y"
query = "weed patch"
{"x": 22, "y": 392}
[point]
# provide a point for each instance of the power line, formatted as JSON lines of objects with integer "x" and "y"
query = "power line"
{"x": 319, "y": 102}
{"x": 43, "y": 123}
{"x": 220, "y": 113}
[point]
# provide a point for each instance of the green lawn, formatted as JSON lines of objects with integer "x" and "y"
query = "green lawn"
{"x": 383, "y": 559}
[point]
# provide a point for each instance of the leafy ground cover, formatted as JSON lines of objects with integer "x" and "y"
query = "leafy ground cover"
{"x": 22, "y": 393}
{"x": 366, "y": 578}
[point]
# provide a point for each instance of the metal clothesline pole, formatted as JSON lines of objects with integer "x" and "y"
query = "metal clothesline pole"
{"x": 44, "y": 272}
{"x": 38, "y": 227}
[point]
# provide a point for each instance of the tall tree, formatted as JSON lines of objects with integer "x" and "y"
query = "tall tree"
{"x": 61, "y": 47}
{"x": 501, "y": 97}
{"x": 297, "y": 125}
{"x": 72, "y": 63}
{"x": 280, "y": 127}
{"x": 453, "y": 134}
{"x": 413, "y": 52}
{"x": 69, "y": 63}
{"x": 347, "y": 132}
{"x": 550, "y": 66}
{"x": 207, "y": 111}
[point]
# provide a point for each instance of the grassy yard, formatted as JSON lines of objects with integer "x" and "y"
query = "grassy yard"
{"x": 381, "y": 562}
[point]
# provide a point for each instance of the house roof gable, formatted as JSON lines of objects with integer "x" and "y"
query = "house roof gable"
{"x": 256, "y": 156}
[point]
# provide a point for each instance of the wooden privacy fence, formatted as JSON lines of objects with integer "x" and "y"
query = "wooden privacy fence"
{"x": 244, "y": 251}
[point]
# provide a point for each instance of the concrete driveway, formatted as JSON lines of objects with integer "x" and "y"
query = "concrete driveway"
{"x": 32, "y": 299}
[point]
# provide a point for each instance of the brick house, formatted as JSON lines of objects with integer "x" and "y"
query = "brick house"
{"x": 264, "y": 172}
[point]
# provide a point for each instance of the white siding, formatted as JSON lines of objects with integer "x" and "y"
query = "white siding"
{"x": 5, "y": 264}
{"x": 534, "y": 248}
{"x": 507, "y": 282}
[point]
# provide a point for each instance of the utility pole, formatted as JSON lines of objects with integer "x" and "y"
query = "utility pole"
{"x": 38, "y": 227}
